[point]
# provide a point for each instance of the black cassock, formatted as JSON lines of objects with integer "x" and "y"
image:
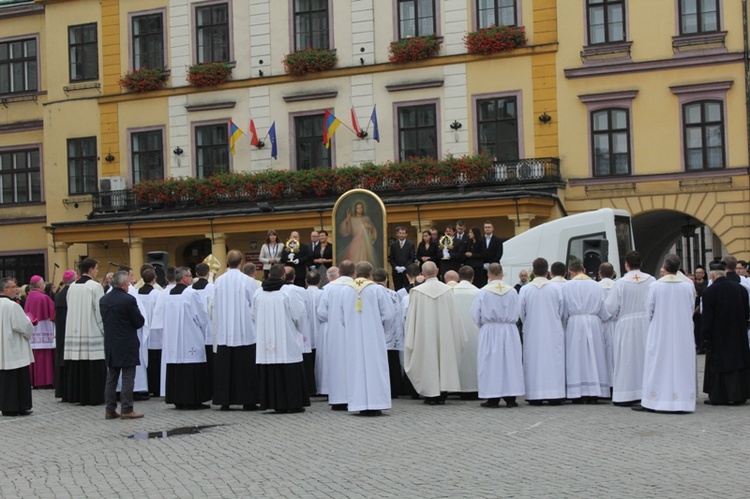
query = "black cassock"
{"x": 724, "y": 324}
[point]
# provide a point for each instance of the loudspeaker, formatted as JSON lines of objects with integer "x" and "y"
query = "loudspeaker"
{"x": 595, "y": 251}
{"x": 160, "y": 261}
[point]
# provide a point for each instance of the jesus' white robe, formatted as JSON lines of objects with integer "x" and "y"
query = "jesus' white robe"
{"x": 499, "y": 368}
{"x": 334, "y": 367}
{"x": 365, "y": 307}
{"x": 434, "y": 339}
{"x": 544, "y": 340}
{"x": 627, "y": 301}
{"x": 464, "y": 294}
{"x": 586, "y": 371}
{"x": 669, "y": 371}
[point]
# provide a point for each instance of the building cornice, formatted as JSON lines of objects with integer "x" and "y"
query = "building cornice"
{"x": 657, "y": 65}
{"x": 28, "y": 9}
{"x": 658, "y": 177}
{"x": 333, "y": 73}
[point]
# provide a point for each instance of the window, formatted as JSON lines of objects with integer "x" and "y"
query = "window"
{"x": 211, "y": 149}
{"x": 147, "y": 155}
{"x": 699, "y": 16}
{"x": 212, "y": 33}
{"x": 310, "y": 152}
{"x": 611, "y": 139}
{"x": 18, "y": 66}
{"x": 704, "y": 135}
{"x": 416, "y": 18}
{"x": 496, "y": 13}
{"x": 82, "y": 166}
{"x": 417, "y": 132}
{"x": 20, "y": 176}
{"x": 148, "y": 41}
{"x": 84, "y": 52}
{"x": 497, "y": 126}
{"x": 606, "y": 21}
{"x": 22, "y": 267}
{"x": 311, "y": 24}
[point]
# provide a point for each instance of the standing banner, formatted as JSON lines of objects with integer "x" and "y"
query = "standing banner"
{"x": 359, "y": 228}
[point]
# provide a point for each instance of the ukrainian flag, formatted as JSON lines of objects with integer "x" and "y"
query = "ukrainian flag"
{"x": 235, "y": 133}
{"x": 330, "y": 124}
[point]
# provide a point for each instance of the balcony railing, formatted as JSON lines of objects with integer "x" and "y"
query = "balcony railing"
{"x": 498, "y": 174}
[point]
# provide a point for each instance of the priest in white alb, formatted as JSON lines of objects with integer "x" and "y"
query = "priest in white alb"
{"x": 606, "y": 282}
{"x": 330, "y": 312}
{"x": 277, "y": 316}
{"x": 669, "y": 370}
{"x": 205, "y": 288}
{"x": 235, "y": 376}
{"x": 394, "y": 334}
{"x": 151, "y": 338}
{"x": 310, "y": 347}
{"x": 586, "y": 374}
{"x": 499, "y": 367}
{"x": 544, "y": 338}
{"x": 628, "y": 302}
{"x": 186, "y": 377}
{"x": 464, "y": 293}
{"x": 366, "y": 307}
{"x": 434, "y": 339}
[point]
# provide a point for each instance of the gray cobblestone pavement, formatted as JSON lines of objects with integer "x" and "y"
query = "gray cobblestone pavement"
{"x": 456, "y": 450}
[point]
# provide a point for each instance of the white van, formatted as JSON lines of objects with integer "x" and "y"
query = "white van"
{"x": 593, "y": 237}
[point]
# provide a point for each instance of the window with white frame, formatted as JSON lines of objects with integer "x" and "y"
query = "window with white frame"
{"x": 417, "y": 131}
{"x": 83, "y": 47}
{"x": 82, "y": 161}
{"x": 147, "y": 155}
{"x": 416, "y": 18}
{"x": 698, "y": 16}
{"x": 311, "y": 24}
{"x": 148, "y": 40}
{"x": 610, "y": 142}
{"x": 18, "y": 66}
{"x": 497, "y": 127}
{"x": 703, "y": 135}
{"x": 606, "y": 21}
{"x": 212, "y": 33}
{"x": 211, "y": 149}
{"x": 496, "y": 13}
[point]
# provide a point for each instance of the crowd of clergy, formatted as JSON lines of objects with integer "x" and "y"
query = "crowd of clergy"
{"x": 238, "y": 342}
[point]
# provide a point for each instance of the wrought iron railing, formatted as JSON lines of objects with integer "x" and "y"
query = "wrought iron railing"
{"x": 501, "y": 173}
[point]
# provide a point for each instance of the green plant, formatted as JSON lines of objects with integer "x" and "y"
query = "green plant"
{"x": 307, "y": 61}
{"x": 495, "y": 39}
{"x": 414, "y": 49}
{"x": 208, "y": 74}
{"x": 143, "y": 79}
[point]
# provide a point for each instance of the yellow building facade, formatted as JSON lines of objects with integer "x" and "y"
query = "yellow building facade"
{"x": 530, "y": 108}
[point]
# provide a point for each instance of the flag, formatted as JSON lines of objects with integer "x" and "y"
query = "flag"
{"x": 272, "y": 138}
{"x": 355, "y": 121}
{"x": 330, "y": 124}
{"x": 374, "y": 120}
{"x": 254, "y": 140}
{"x": 234, "y": 135}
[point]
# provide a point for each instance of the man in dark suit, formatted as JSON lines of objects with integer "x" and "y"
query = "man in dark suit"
{"x": 461, "y": 233}
{"x": 454, "y": 250}
{"x": 121, "y": 319}
{"x": 314, "y": 241}
{"x": 492, "y": 251}
{"x": 300, "y": 259}
{"x": 401, "y": 255}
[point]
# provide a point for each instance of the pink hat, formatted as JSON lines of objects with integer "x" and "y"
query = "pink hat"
{"x": 35, "y": 279}
{"x": 69, "y": 275}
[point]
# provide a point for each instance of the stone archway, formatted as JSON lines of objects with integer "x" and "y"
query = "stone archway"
{"x": 655, "y": 232}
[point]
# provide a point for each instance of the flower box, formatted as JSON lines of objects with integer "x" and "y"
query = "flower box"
{"x": 495, "y": 39}
{"x": 414, "y": 49}
{"x": 307, "y": 61}
{"x": 209, "y": 74}
{"x": 144, "y": 79}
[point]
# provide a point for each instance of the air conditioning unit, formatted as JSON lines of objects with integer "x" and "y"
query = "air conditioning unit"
{"x": 112, "y": 195}
{"x": 109, "y": 184}
{"x": 532, "y": 170}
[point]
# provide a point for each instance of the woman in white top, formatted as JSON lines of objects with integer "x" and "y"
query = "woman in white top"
{"x": 270, "y": 252}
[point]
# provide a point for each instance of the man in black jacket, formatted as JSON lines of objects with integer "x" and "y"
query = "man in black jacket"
{"x": 492, "y": 251}
{"x": 401, "y": 255}
{"x": 121, "y": 319}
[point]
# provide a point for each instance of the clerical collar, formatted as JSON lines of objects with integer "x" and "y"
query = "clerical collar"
{"x": 145, "y": 289}
{"x": 273, "y": 284}
{"x": 84, "y": 278}
{"x": 178, "y": 289}
{"x": 201, "y": 283}
{"x": 6, "y": 296}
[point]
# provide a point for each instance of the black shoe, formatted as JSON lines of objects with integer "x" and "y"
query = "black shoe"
{"x": 249, "y": 407}
{"x": 224, "y": 408}
{"x": 577, "y": 401}
{"x": 555, "y": 402}
{"x": 371, "y": 412}
{"x": 10, "y": 413}
{"x": 640, "y": 408}
{"x": 339, "y": 407}
{"x": 432, "y": 400}
{"x": 25, "y": 413}
{"x": 490, "y": 405}
{"x": 630, "y": 403}
{"x": 141, "y": 396}
{"x": 536, "y": 402}
{"x": 708, "y": 402}
{"x": 592, "y": 401}
{"x": 511, "y": 403}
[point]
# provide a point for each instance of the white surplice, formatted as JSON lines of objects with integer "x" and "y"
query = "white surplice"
{"x": 495, "y": 311}
{"x": 317, "y": 333}
{"x": 608, "y": 327}
{"x": 394, "y": 328}
{"x": 334, "y": 366}
{"x": 586, "y": 373}
{"x": 277, "y": 315}
{"x": 207, "y": 295}
{"x": 433, "y": 339}
{"x": 627, "y": 301}
{"x": 141, "y": 372}
{"x": 230, "y": 310}
{"x": 543, "y": 340}
{"x": 464, "y": 294}
{"x": 669, "y": 371}
{"x": 365, "y": 308}
{"x": 299, "y": 299}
